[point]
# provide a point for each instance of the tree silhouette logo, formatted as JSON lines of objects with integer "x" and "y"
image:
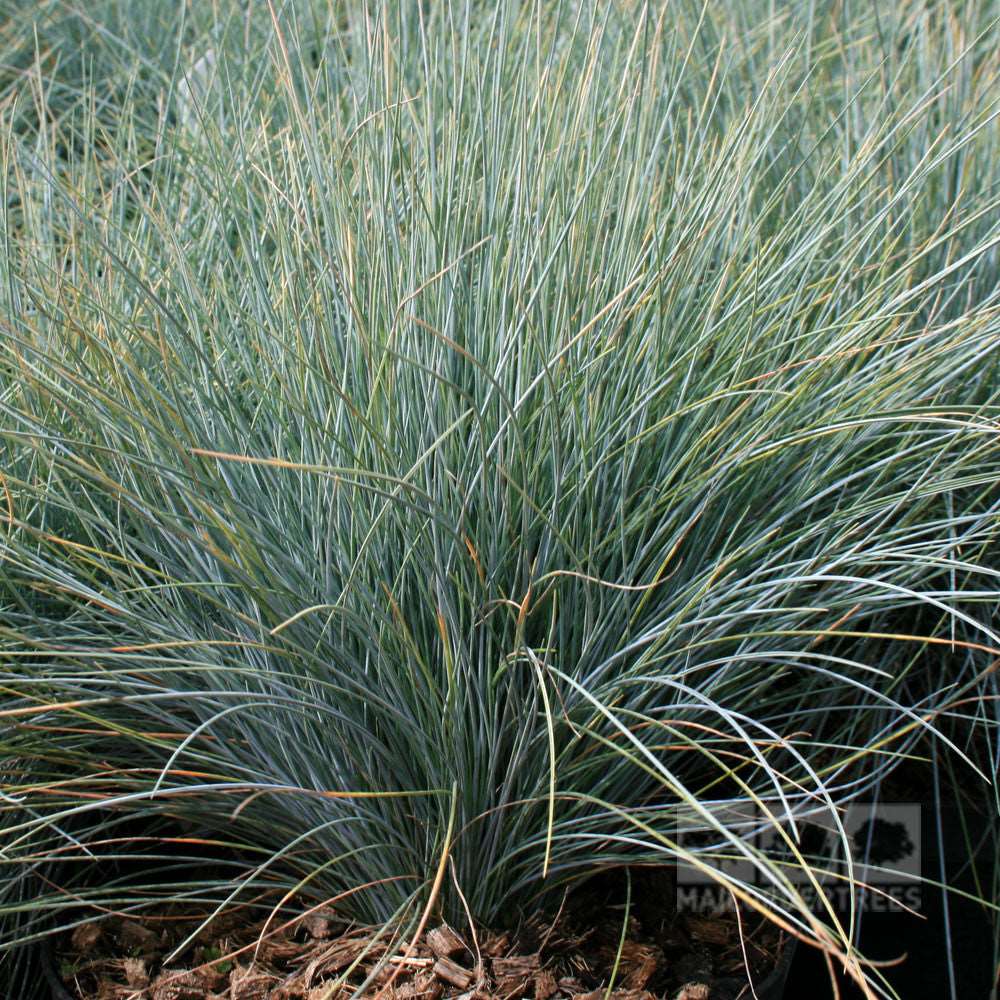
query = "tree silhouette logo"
{"x": 880, "y": 842}
{"x": 885, "y": 842}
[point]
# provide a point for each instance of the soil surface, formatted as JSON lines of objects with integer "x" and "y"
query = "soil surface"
{"x": 653, "y": 952}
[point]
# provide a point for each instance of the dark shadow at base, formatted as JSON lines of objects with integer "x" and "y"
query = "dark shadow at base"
{"x": 942, "y": 956}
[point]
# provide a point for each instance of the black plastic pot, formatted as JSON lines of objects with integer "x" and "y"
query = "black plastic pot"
{"x": 772, "y": 987}
{"x": 51, "y": 972}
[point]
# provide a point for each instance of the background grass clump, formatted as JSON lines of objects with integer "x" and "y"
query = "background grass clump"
{"x": 505, "y": 434}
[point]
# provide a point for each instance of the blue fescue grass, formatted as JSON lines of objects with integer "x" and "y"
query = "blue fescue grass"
{"x": 496, "y": 436}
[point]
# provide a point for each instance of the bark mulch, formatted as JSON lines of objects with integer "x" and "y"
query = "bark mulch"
{"x": 662, "y": 955}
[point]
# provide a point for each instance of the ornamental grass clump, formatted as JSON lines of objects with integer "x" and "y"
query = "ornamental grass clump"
{"x": 450, "y": 451}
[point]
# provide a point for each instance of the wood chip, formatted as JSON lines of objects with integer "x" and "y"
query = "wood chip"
{"x": 424, "y": 986}
{"x": 495, "y": 945}
{"x": 139, "y": 938}
{"x": 545, "y": 985}
{"x": 250, "y": 983}
{"x": 213, "y": 977}
{"x": 476, "y": 994}
{"x": 177, "y": 984}
{"x": 290, "y": 989}
{"x": 339, "y": 955}
{"x": 319, "y": 925}
{"x": 715, "y": 932}
{"x": 639, "y": 964}
{"x": 85, "y": 938}
{"x": 694, "y": 991}
{"x": 279, "y": 949}
{"x": 107, "y": 990}
{"x": 452, "y": 972}
{"x": 515, "y": 965}
{"x": 513, "y": 973}
{"x": 444, "y": 942}
{"x": 136, "y": 973}
{"x": 329, "y": 992}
